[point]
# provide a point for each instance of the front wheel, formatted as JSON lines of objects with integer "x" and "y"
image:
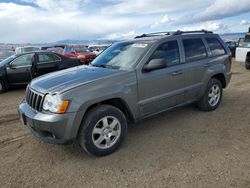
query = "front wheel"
{"x": 212, "y": 97}
{"x": 103, "y": 130}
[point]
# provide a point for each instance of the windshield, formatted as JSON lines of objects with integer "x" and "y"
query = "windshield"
{"x": 123, "y": 55}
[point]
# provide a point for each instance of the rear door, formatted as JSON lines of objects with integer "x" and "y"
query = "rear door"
{"x": 196, "y": 65}
{"x": 19, "y": 70}
{"x": 46, "y": 63}
{"x": 163, "y": 88}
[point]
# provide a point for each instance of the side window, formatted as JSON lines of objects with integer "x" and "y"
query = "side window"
{"x": 168, "y": 51}
{"x": 215, "y": 47}
{"x": 56, "y": 58}
{"x": 24, "y": 60}
{"x": 68, "y": 49}
{"x": 194, "y": 49}
{"x": 45, "y": 58}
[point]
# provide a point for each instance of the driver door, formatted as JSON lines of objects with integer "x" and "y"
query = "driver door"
{"x": 163, "y": 88}
{"x": 19, "y": 70}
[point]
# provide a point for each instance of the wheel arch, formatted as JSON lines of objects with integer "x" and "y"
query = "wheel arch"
{"x": 221, "y": 77}
{"x": 116, "y": 102}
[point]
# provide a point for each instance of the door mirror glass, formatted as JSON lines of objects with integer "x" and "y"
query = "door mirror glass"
{"x": 9, "y": 65}
{"x": 155, "y": 64}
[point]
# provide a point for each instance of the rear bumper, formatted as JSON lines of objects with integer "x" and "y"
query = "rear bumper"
{"x": 228, "y": 78}
{"x": 50, "y": 128}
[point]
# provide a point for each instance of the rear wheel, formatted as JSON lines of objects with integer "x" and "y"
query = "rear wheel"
{"x": 2, "y": 86}
{"x": 212, "y": 97}
{"x": 103, "y": 130}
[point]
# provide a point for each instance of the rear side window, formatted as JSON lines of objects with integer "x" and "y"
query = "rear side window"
{"x": 215, "y": 47}
{"x": 168, "y": 51}
{"x": 56, "y": 58}
{"x": 194, "y": 49}
{"x": 45, "y": 58}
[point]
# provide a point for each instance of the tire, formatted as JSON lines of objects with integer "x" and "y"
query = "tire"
{"x": 103, "y": 130}
{"x": 2, "y": 87}
{"x": 212, "y": 97}
{"x": 247, "y": 65}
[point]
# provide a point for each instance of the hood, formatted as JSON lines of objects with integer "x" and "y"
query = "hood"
{"x": 69, "y": 78}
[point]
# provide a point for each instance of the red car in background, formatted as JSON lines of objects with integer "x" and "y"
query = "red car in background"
{"x": 80, "y": 52}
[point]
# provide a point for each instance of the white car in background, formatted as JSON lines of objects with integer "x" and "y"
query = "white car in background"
{"x": 97, "y": 49}
{"x": 243, "y": 51}
{"x": 20, "y": 50}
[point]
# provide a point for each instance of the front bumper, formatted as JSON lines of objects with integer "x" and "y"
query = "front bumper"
{"x": 50, "y": 128}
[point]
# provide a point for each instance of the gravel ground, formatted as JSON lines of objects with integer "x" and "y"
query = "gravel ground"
{"x": 180, "y": 148}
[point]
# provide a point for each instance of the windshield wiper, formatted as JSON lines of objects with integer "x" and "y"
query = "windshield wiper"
{"x": 99, "y": 65}
{"x": 106, "y": 66}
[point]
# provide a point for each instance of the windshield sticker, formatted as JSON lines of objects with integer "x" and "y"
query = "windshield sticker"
{"x": 137, "y": 45}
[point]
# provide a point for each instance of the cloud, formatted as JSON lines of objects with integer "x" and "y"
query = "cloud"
{"x": 31, "y": 24}
{"x": 209, "y": 26}
{"x": 59, "y": 5}
{"x": 219, "y": 9}
{"x": 165, "y": 20}
{"x": 120, "y": 36}
{"x": 244, "y": 22}
{"x": 138, "y": 7}
{"x": 51, "y": 20}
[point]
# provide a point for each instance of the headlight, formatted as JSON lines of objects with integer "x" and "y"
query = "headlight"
{"x": 55, "y": 104}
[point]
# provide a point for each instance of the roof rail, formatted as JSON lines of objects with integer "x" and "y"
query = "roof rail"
{"x": 178, "y": 32}
{"x": 155, "y": 34}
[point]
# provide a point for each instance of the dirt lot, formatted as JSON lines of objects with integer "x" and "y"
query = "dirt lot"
{"x": 180, "y": 148}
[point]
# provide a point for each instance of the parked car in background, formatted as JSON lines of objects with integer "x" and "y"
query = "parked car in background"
{"x": 232, "y": 45}
{"x": 53, "y": 46}
{"x": 20, "y": 50}
{"x": 20, "y": 69}
{"x": 243, "y": 50}
{"x": 128, "y": 82}
{"x": 80, "y": 52}
{"x": 58, "y": 50}
{"x": 5, "y": 54}
{"x": 97, "y": 49}
{"x": 247, "y": 63}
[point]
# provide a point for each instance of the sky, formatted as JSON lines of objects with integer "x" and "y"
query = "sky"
{"x": 42, "y": 21}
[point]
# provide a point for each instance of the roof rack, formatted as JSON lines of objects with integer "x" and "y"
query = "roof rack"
{"x": 178, "y": 32}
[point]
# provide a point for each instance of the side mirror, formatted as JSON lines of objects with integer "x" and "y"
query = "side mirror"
{"x": 155, "y": 64}
{"x": 10, "y": 65}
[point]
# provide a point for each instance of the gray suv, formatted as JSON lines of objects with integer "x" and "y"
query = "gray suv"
{"x": 128, "y": 82}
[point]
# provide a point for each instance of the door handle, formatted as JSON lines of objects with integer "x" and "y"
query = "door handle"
{"x": 207, "y": 65}
{"x": 176, "y": 73}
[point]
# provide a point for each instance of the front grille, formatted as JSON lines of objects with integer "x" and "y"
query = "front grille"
{"x": 34, "y": 99}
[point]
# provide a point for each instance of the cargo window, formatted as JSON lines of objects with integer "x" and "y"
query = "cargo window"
{"x": 215, "y": 47}
{"x": 194, "y": 49}
{"x": 168, "y": 51}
